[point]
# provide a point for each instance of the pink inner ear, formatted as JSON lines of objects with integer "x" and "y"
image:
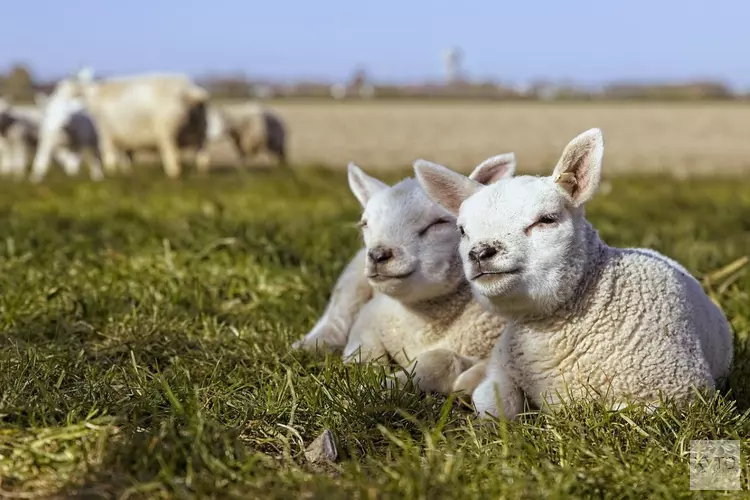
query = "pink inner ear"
{"x": 499, "y": 172}
{"x": 492, "y": 170}
{"x": 581, "y": 173}
{"x": 582, "y": 181}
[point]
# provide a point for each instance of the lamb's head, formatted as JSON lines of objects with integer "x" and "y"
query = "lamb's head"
{"x": 411, "y": 241}
{"x": 523, "y": 239}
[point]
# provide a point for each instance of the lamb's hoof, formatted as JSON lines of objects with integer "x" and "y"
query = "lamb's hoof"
{"x": 322, "y": 337}
{"x": 315, "y": 345}
{"x": 399, "y": 380}
{"x": 393, "y": 381}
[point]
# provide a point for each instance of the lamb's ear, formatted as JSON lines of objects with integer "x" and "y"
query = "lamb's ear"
{"x": 362, "y": 185}
{"x": 580, "y": 166}
{"x": 444, "y": 186}
{"x": 495, "y": 168}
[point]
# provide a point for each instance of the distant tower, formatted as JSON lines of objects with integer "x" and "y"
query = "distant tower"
{"x": 452, "y": 58}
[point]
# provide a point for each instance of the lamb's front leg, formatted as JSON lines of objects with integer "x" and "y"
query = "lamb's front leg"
{"x": 469, "y": 380}
{"x": 351, "y": 292}
{"x": 435, "y": 370}
{"x": 498, "y": 395}
{"x": 70, "y": 161}
{"x": 365, "y": 343}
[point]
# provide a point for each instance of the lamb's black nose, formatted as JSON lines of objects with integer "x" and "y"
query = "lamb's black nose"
{"x": 482, "y": 252}
{"x": 380, "y": 254}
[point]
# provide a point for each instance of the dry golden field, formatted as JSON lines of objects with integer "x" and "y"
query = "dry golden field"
{"x": 679, "y": 138}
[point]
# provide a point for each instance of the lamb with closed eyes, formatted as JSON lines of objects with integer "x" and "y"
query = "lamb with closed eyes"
{"x": 404, "y": 297}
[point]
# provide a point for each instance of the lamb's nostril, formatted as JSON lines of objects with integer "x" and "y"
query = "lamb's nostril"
{"x": 487, "y": 252}
{"x": 380, "y": 254}
{"x": 483, "y": 253}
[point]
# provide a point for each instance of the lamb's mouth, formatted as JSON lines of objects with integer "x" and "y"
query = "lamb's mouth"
{"x": 388, "y": 277}
{"x": 481, "y": 274}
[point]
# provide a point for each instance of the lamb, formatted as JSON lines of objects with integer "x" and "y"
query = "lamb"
{"x": 19, "y": 131}
{"x": 623, "y": 325}
{"x": 67, "y": 131}
{"x": 255, "y": 129}
{"x": 251, "y": 128}
{"x": 143, "y": 112}
{"x": 415, "y": 306}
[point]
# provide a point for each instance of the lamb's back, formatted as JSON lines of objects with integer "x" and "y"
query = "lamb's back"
{"x": 638, "y": 327}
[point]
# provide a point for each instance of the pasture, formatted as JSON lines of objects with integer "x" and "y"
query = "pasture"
{"x": 146, "y": 323}
{"x": 674, "y": 138}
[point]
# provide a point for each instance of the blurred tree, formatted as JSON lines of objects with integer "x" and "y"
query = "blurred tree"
{"x": 19, "y": 84}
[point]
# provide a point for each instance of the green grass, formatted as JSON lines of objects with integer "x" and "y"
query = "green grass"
{"x": 144, "y": 351}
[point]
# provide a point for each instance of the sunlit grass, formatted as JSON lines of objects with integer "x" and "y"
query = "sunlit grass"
{"x": 146, "y": 327}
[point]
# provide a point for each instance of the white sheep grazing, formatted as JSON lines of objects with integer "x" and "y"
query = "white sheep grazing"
{"x": 19, "y": 129}
{"x": 255, "y": 129}
{"x": 66, "y": 131}
{"x": 21, "y": 134}
{"x": 629, "y": 324}
{"x": 6, "y": 148}
{"x": 404, "y": 296}
{"x": 161, "y": 111}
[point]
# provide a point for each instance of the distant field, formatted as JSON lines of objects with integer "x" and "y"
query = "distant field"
{"x": 682, "y": 138}
{"x": 677, "y": 138}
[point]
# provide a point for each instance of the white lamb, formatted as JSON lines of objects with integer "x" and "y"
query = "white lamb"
{"x": 404, "y": 296}
{"x": 624, "y": 325}
{"x": 67, "y": 132}
{"x": 19, "y": 131}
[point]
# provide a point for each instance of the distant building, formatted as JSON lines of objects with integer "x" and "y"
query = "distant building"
{"x": 453, "y": 60}
{"x": 358, "y": 86}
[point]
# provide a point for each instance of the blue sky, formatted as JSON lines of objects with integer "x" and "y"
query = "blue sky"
{"x": 580, "y": 40}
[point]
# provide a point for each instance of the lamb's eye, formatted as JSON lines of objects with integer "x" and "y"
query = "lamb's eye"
{"x": 362, "y": 224}
{"x": 433, "y": 224}
{"x": 547, "y": 219}
{"x": 544, "y": 220}
{"x": 461, "y": 230}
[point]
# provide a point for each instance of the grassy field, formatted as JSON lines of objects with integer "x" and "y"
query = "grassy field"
{"x": 146, "y": 327}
